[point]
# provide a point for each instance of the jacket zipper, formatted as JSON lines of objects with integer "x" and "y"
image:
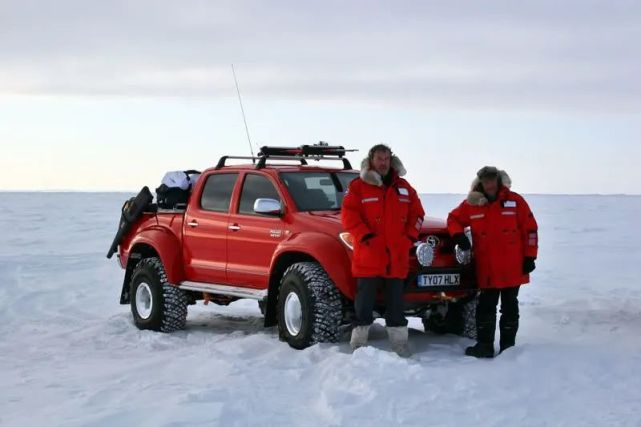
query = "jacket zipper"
{"x": 388, "y": 268}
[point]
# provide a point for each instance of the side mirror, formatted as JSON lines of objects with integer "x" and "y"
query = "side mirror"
{"x": 270, "y": 207}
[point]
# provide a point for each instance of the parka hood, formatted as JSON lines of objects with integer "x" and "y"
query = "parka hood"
{"x": 373, "y": 178}
{"x": 476, "y": 197}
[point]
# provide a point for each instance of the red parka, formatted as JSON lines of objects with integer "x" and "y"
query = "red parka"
{"x": 393, "y": 214}
{"x": 504, "y": 232}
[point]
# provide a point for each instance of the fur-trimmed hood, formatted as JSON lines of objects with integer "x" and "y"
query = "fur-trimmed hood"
{"x": 476, "y": 197}
{"x": 372, "y": 177}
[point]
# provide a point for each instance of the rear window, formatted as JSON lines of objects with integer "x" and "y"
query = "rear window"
{"x": 216, "y": 196}
{"x": 317, "y": 191}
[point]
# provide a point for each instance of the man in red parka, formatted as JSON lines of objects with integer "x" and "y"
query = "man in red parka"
{"x": 384, "y": 215}
{"x": 505, "y": 238}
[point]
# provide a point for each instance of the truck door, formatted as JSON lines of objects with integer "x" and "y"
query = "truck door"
{"x": 206, "y": 227}
{"x": 253, "y": 237}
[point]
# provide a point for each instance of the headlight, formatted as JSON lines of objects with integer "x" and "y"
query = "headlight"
{"x": 425, "y": 254}
{"x": 347, "y": 239}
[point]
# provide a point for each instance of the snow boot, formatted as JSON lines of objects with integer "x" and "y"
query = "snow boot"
{"x": 398, "y": 337}
{"x": 480, "y": 350}
{"x": 360, "y": 334}
{"x": 484, "y": 348}
{"x": 508, "y": 335}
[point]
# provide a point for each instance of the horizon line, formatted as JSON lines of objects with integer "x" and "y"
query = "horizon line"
{"x": 67, "y": 191}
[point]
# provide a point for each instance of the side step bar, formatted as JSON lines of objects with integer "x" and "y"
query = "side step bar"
{"x": 232, "y": 291}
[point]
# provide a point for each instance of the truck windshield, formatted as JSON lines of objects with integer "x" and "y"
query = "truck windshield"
{"x": 317, "y": 191}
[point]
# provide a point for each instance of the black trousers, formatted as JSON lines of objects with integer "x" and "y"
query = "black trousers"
{"x": 486, "y": 314}
{"x": 366, "y": 299}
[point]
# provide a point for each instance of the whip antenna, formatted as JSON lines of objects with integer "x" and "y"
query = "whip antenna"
{"x": 242, "y": 110}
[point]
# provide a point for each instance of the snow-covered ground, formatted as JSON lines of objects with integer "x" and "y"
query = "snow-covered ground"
{"x": 70, "y": 355}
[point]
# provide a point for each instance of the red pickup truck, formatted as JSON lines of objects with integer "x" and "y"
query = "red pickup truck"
{"x": 270, "y": 230}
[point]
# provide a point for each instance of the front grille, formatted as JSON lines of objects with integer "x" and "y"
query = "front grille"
{"x": 444, "y": 251}
{"x": 444, "y": 245}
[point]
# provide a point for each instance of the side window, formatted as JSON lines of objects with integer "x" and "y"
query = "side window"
{"x": 216, "y": 194}
{"x": 255, "y": 187}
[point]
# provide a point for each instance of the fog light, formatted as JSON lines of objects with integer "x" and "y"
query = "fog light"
{"x": 463, "y": 257}
{"x": 425, "y": 254}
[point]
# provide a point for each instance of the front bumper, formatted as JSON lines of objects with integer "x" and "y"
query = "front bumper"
{"x": 415, "y": 295}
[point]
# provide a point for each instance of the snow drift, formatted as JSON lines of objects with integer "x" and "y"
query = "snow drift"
{"x": 70, "y": 355}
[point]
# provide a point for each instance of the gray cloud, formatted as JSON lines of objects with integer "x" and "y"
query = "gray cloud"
{"x": 583, "y": 55}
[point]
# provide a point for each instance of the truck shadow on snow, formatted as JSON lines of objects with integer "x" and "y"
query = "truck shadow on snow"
{"x": 421, "y": 343}
{"x": 216, "y": 323}
{"x": 246, "y": 324}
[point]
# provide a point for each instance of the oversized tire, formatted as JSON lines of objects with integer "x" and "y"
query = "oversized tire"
{"x": 310, "y": 307}
{"x": 468, "y": 316}
{"x": 155, "y": 303}
{"x": 459, "y": 319}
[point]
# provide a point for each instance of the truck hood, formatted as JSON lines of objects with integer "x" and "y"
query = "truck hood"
{"x": 434, "y": 224}
{"x": 322, "y": 221}
{"x": 330, "y": 222}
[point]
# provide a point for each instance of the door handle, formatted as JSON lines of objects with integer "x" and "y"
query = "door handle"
{"x": 234, "y": 227}
{"x": 193, "y": 224}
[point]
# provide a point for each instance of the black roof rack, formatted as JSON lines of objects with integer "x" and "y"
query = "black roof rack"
{"x": 320, "y": 151}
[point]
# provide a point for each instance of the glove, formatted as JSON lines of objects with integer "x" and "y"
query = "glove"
{"x": 462, "y": 241}
{"x": 528, "y": 265}
{"x": 367, "y": 237}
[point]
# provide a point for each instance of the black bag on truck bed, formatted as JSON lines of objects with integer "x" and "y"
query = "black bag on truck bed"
{"x": 174, "y": 191}
{"x": 131, "y": 211}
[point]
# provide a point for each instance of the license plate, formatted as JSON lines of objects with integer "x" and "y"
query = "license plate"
{"x": 429, "y": 280}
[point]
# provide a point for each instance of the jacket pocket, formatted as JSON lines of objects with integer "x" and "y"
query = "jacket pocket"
{"x": 511, "y": 264}
{"x": 402, "y": 254}
{"x": 370, "y": 253}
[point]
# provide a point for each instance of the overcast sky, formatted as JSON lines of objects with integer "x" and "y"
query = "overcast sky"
{"x": 108, "y": 95}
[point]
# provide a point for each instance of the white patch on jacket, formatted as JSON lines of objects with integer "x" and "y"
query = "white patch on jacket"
{"x": 373, "y": 178}
{"x": 476, "y": 197}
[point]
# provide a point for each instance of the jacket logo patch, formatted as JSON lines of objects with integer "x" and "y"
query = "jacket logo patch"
{"x": 477, "y": 216}
{"x": 404, "y": 200}
{"x": 403, "y": 192}
{"x": 370, "y": 200}
{"x": 509, "y": 204}
{"x": 508, "y": 213}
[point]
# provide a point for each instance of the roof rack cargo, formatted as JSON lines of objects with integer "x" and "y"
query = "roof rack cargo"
{"x": 320, "y": 151}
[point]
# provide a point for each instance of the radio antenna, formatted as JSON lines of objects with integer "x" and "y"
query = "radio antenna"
{"x": 242, "y": 110}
